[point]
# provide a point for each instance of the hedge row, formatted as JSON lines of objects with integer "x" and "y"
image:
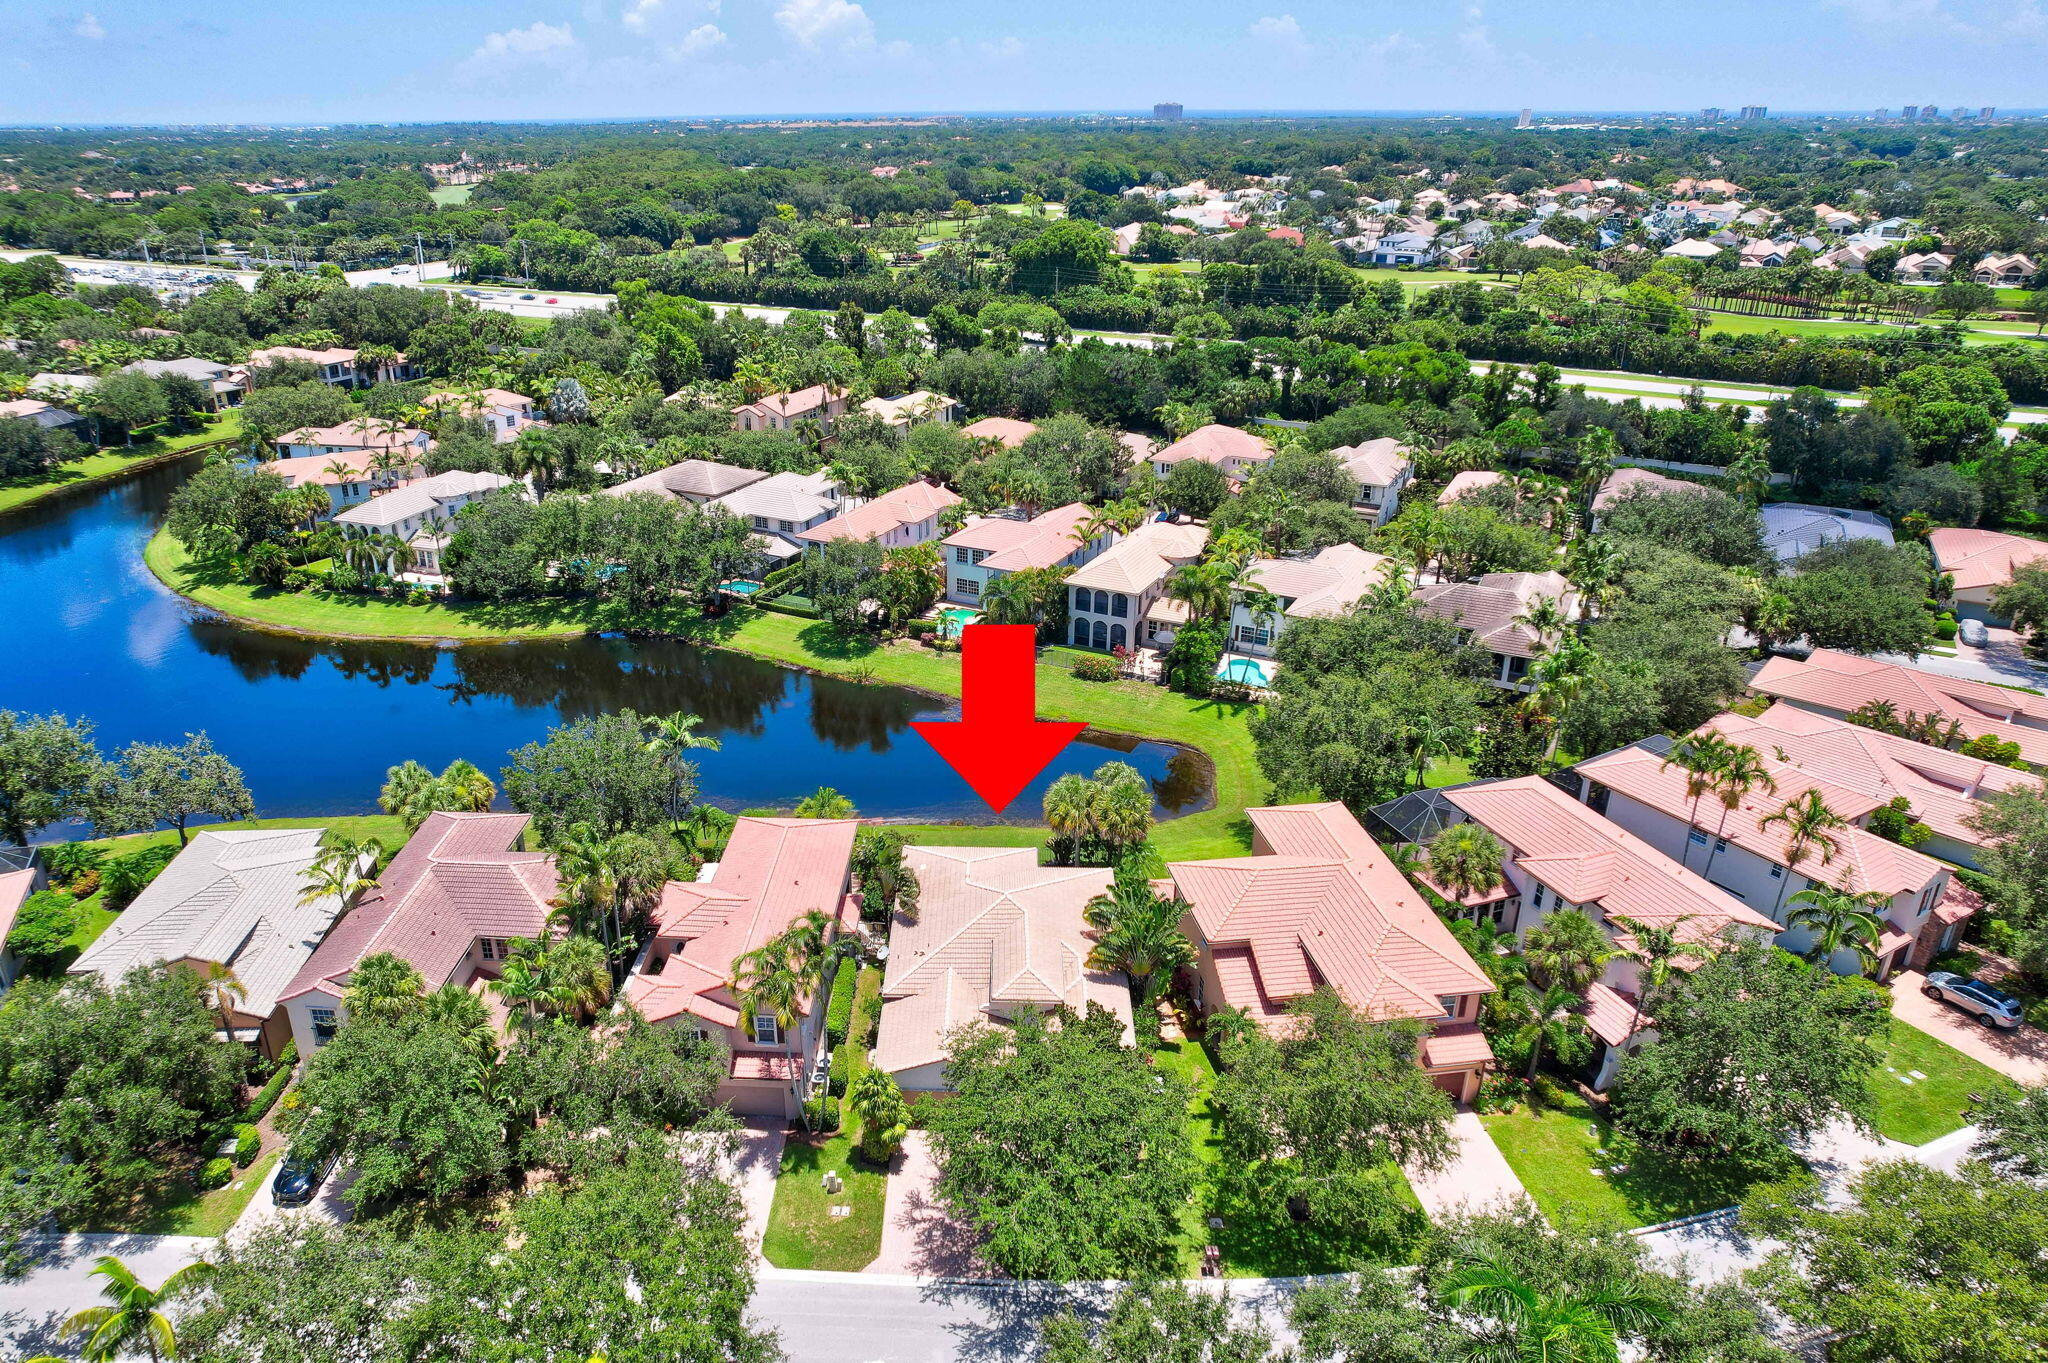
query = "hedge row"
{"x": 266, "y": 1097}
{"x": 839, "y": 1006}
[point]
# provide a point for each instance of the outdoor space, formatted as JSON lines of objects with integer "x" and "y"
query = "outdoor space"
{"x": 1924, "y": 1088}
{"x": 116, "y": 460}
{"x": 802, "y": 1230}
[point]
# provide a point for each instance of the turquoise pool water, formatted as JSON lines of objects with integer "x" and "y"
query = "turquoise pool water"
{"x": 1246, "y": 671}
{"x": 741, "y": 588}
{"x": 953, "y": 619}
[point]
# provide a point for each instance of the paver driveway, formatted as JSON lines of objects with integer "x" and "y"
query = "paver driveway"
{"x": 2020, "y": 1054}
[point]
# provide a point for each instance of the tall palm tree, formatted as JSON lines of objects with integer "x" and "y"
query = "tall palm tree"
{"x": 410, "y": 792}
{"x": 338, "y": 870}
{"x": 1008, "y": 599}
{"x": 1839, "y": 919}
{"x": 1566, "y": 948}
{"x": 1204, "y": 587}
{"x": 1466, "y": 859}
{"x": 1432, "y": 739}
{"x": 220, "y": 989}
{"x": 1066, "y": 814}
{"x": 1544, "y": 618}
{"x": 457, "y": 1009}
{"x": 1701, "y": 756}
{"x": 1740, "y": 773}
{"x": 1580, "y": 1323}
{"x": 1561, "y": 677}
{"x": 133, "y": 1319}
{"x": 1810, "y": 826}
{"x": 668, "y": 735}
{"x": 1138, "y": 933}
{"x": 577, "y": 975}
{"x": 383, "y": 985}
{"x": 1657, "y": 952}
{"x": 468, "y": 789}
{"x": 1542, "y": 1017}
{"x": 521, "y": 982}
{"x": 1594, "y": 567}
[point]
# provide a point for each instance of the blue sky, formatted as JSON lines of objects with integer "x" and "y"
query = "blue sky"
{"x": 420, "y": 60}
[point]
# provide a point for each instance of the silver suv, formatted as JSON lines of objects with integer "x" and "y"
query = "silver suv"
{"x": 1990, "y": 1006}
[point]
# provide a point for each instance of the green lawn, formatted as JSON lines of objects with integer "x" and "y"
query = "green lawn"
{"x": 94, "y": 917}
{"x": 1739, "y": 324}
{"x": 186, "y": 1211}
{"x": 385, "y": 828}
{"x": 802, "y": 1232}
{"x": 1918, "y": 1111}
{"x": 1555, "y": 1151}
{"x": 451, "y": 195}
{"x": 111, "y": 463}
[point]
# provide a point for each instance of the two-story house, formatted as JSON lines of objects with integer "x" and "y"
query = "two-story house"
{"x": 989, "y": 546}
{"x": 420, "y": 514}
{"x": 1492, "y": 613}
{"x": 995, "y": 935}
{"x": 1326, "y": 585}
{"x": 362, "y": 435}
{"x": 338, "y": 366}
{"x": 450, "y": 904}
{"x": 913, "y": 409}
{"x": 1110, "y": 601}
{"x": 895, "y": 520}
{"x": 693, "y": 480}
{"x": 1749, "y": 852}
{"x": 772, "y": 874}
{"x": 1839, "y": 684}
{"x": 1319, "y": 904}
{"x": 1236, "y": 452}
{"x": 1380, "y": 468}
{"x": 820, "y": 404}
{"x": 782, "y": 506}
{"x": 350, "y": 478}
{"x": 226, "y": 384}
{"x": 503, "y": 413}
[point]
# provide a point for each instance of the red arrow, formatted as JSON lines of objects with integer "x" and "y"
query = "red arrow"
{"x": 998, "y": 745}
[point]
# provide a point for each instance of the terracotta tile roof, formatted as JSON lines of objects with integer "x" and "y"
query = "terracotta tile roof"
{"x": 892, "y": 511}
{"x": 774, "y": 871}
{"x": 1471, "y": 480}
{"x": 1326, "y": 906}
{"x": 1489, "y": 607}
{"x": 1845, "y": 682}
{"x": 1141, "y": 560}
{"x": 1009, "y": 430}
{"x": 994, "y": 931}
{"x": 360, "y": 434}
{"x": 15, "y": 888}
{"x": 800, "y": 403}
{"x": 1014, "y": 545}
{"x": 1982, "y": 558}
{"x": 1958, "y": 902}
{"x": 1380, "y": 462}
{"x": 1589, "y": 859}
{"x": 1455, "y": 1046}
{"x": 313, "y": 468}
{"x": 1213, "y": 444}
{"x": 1328, "y": 584}
{"x": 1611, "y": 1014}
{"x": 1623, "y": 480}
{"x": 1864, "y": 861}
{"x": 693, "y": 478}
{"x": 1943, "y": 787}
{"x": 456, "y": 879}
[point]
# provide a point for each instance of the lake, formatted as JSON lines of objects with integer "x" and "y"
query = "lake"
{"x": 315, "y": 724}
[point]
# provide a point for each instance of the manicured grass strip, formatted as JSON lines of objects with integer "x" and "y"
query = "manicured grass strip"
{"x": 384, "y": 828}
{"x": 1555, "y": 1150}
{"x": 1918, "y": 1111}
{"x": 191, "y": 1212}
{"x": 802, "y": 1232}
{"x": 109, "y": 464}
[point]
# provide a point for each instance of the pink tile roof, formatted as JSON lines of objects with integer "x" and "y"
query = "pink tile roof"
{"x": 1008, "y": 430}
{"x": 1213, "y": 444}
{"x": 456, "y": 879}
{"x": 774, "y": 871}
{"x": 1325, "y": 906}
{"x": 362, "y": 434}
{"x": 1982, "y": 558}
{"x": 1380, "y": 462}
{"x": 15, "y": 888}
{"x": 1612, "y": 1014}
{"x": 1014, "y": 545}
{"x": 1327, "y": 585}
{"x": 1623, "y": 480}
{"x": 1943, "y": 787}
{"x": 907, "y": 505}
{"x": 1490, "y": 606}
{"x": 994, "y": 931}
{"x": 1846, "y": 682}
{"x": 1455, "y": 1046}
{"x": 313, "y": 468}
{"x": 802, "y": 402}
{"x": 1471, "y": 480}
{"x": 1864, "y": 861}
{"x": 1142, "y": 559}
{"x": 1589, "y": 859}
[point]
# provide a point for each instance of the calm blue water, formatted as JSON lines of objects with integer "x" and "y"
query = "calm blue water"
{"x": 88, "y": 631}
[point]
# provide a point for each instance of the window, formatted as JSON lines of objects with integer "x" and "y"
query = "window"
{"x": 760, "y": 522}
{"x": 324, "y": 1025}
{"x": 493, "y": 948}
{"x": 1536, "y": 899}
{"x": 1101, "y": 635}
{"x": 1449, "y": 1003}
{"x": 767, "y": 1029}
{"x": 1720, "y": 846}
{"x": 980, "y": 554}
{"x": 966, "y": 586}
{"x": 1119, "y": 605}
{"x": 1080, "y": 634}
{"x": 1777, "y": 873}
{"x": 784, "y": 526}
{"x": 960, "y": 556}
{"x": 1117, "y": 638}
{"x": 1696, "y": 837}
{"x": 1101, "y": 606}
{"x": 1252, "y": 634}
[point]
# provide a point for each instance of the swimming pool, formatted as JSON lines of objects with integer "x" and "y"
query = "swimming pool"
{"x": 1246, "y": 671}
{"x": 953, "y": 619}
{"x": 740, "y": 588}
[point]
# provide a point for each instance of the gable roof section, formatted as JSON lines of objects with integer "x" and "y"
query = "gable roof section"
{"x": 1213, "y": 444}
{"x": 1328, "y": 584}
{"x": 420, "y": 497}
{"x": 1490, "y": 607}
{"x": 1471, "y": 480}
{"x": 1982, "y": 558}
{"x": 693, "y": 478}
{"x": 1014, "y": 545}
{"x": 1010, "y": 431}
{"x": 1138, "y": 562}
{"x": 1846, "y": 682}
{"x": 907, "y": 505}
{"x": 792, "y": 497}
{"x": 1379, "y": 462}
{"x": 1622, "y": 480}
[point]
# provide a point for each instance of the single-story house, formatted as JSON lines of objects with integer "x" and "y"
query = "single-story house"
{"x": 1923, "y": 267}
{"x": 1625, "y": 480}
{"x": 1980, "y": 562}
{"x": 49, "y": 417}
{"x": 2015, "y": 271}
{"x": 1692, "y": 249}
{"x": 1007, "y": 430}
{"x": 1793, "y": 529}
{"x": 228, "y": 383}
{"x": 693, "y": 480}
{"x": 1470, "y": 480}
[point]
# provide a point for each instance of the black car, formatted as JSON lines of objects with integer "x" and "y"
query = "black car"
{"x": 298, "y": 1179}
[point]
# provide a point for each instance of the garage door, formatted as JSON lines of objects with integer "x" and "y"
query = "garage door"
{"x": 756, "y": 1100}
{"x": 1451, "y": 1082}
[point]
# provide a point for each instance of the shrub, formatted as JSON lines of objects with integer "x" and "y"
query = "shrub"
{"x": 85, "y": 884}
{"x": 1501, "y": 1093}
{"x": 1945, "y": 630}
{"x": 867, "y": 1008}
{"x": 41, "y": 939}
{"x": 67, "y": 861}
{"x": 842, "y": 1071}
{"x": 266, "y": 1096}
{"x": 1096, "y": 668}
{"x": 216, "y": 1173}
{"x": 1229, "y": 691}
{"x": 821, "y": 1113}
{"x": 922, "y": 627}
{"x": 127, "y": 876}
{"x": 839, "y": 1008}
{"x": 1547, "y": 1091}
{"x": 302, "y": 580}
{"x": 248, "y": 1140}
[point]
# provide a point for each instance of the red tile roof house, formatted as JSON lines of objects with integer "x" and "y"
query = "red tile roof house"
{"x": 450, "y": 902}
{"x": 1325, "y": 586}
{"x": 1471, "y": 480}
{"x": 1624, "y": 480}
{"x": 1838, "y": 684}
{"x": 337, "y": 365}
{"x": 1488, "y": 611}
{"x": 996, "y": 935}
{"x": 16, "y": 885}
{"x": 347, "y": 476}
{"x": 1943, "y": 788}
{"x": 1235, "y": 451}
{"x": 781, "y": 411}
{"x": 989, "y": 546}
{"x": 504, "y": 413}
{"x": 1318, "y": 903}
{"x": 1007, "y": 431}
{"x": 1734, "y": 849}
{"x": 1980, "y": 562}
{"x": 1562, "y": 855}
{"x": 894, "y": 520}
{"x": 773, "y": 872}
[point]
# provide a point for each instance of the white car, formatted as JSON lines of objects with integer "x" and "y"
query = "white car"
{"x": 1989, "y": 1005}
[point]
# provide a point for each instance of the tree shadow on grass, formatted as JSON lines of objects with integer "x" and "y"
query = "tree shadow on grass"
{"x": 824, "y": 641}
{"x": 1260, "y": 1239}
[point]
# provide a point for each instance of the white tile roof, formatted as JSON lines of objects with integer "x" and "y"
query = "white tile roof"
{"x": 1142, "y": 559}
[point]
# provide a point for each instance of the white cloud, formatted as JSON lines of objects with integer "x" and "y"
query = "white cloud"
{"x": 89, "y": 26}
{"x": 822, "y": 23}
{"x": 1007, "y": 47}
{"x": 1891, "y": 13}
{"x": 639, "y": 12}
{"x": 697, "y": 42}
{"x": 535, "y": 40}
{"x": 1475, "y": 37}
{"x": 1391, "y": 44}
{"x": 1281, "y": 30}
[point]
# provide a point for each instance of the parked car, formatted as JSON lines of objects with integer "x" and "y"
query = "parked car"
{"x": 1988, "y": 1004}
{"x": 298, "y": 1179}
{"x": 1973, "y": 633}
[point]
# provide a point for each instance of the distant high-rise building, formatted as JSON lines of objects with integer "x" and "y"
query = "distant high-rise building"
{"x": 1710, "y": 115}
{"x": 1988, "y": 111}
{"x": 1959, "y": 112}
{"x": 1882, "y": 113}
{"x": 1911, "y": 113}
{"x": 1525, "y": 120}
{"x": 1752, "y": 112}
{"x": 1167, "y": 113}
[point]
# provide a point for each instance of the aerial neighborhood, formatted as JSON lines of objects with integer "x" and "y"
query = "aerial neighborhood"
{"x": 1556, "y": 615}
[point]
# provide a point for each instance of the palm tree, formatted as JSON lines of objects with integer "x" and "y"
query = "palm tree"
{"x": 132, "y": 1319}
{"x": 467, "y": 787}
{"x": 520, "y": 982}
{"x": 1204, "y": 587}
{"x": 1810, "y": 826}
{"x": 220, "y": 989}
{"x": 1433, "y": 739}
{"x": 577, "y": 976}
{"x": 455, "y": 1008}
{"x": 1741, "y": 771}
{"x": 1566, "y": 948}
{"x": 410, "y": 792}
{"x": 338, "y": 870}
{"x": 1008, "y": 599}
{"x": 668, "y": 735}
{"x": 1138, "y": 933}
{"x": 1702, "y": 756}
{"x": 1561, "y": 676}
{"x": 1542, "y": 1017}
{"x": 825, "y": 803}
{"x": 1119, "y": 807}
{"x": 1466, "y": 860}
{"x": 1066, "y": 806}
{"x": 1839, "y": 919}
{"x": 1579, "y": 1323}
{"x": 1657, "y": 951}
{"x": 1544, "y": 618}
{"x": 383, "y": 985}
{"x": 1393, "y": 592}
{"x": 1594, "y": 567}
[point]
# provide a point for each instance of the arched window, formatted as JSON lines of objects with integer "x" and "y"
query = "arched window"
{"x": 1101, "y": 635}
{"x": 1102, "y": 603}
{"x": 1080, "y": 595}
{"x": 1080, "y": 634}
{"x": 1119, "y": 605}
{"x": 1116, "y": 634}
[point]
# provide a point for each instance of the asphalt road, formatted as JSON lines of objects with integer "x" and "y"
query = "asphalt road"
{"x": 33, "y": 1307}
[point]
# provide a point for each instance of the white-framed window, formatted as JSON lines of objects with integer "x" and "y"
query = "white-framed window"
{"x": 966, "y": 586}
{"x": 980, "y": 554}
{"x": 493, "y": 948}
{"x": 1449, "y": 1003}
{"x": 784, "y": 526}
{"x": 960, "y": 554}
{"x": 760, "y": 522}
{"x": 767, "y": 1029}
{"x": 324, "y": 1025}
{"x": 1777, "y": 873}
{"x": 1536, "y": 899}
